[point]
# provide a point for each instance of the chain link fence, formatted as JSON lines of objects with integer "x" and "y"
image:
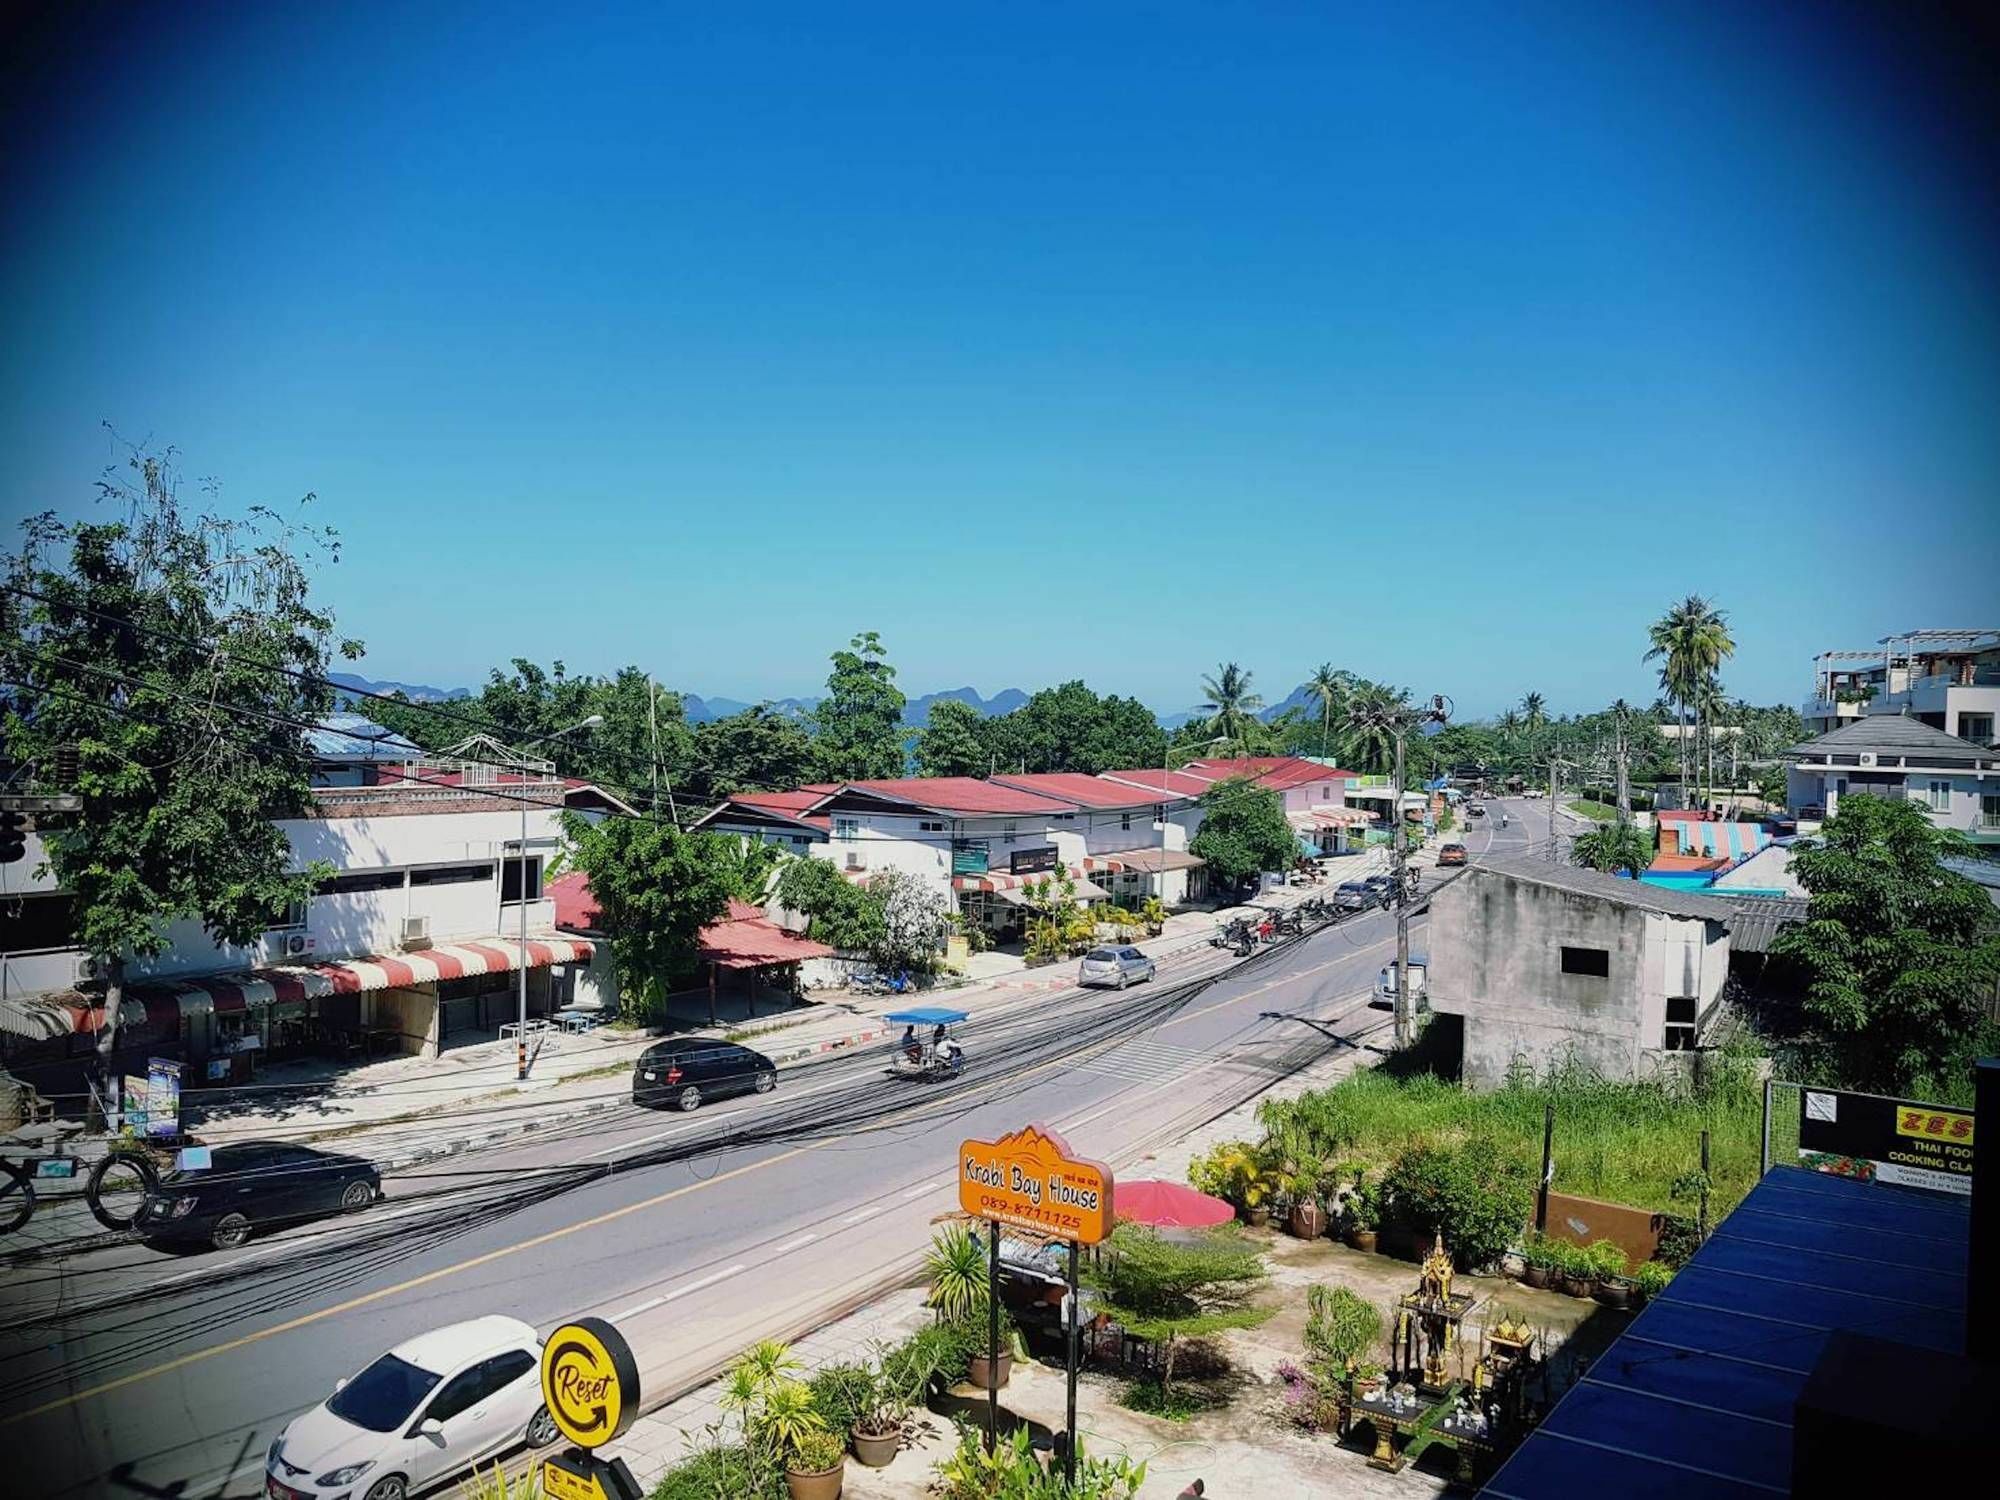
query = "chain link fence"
{"x": 1781, "y": 1124}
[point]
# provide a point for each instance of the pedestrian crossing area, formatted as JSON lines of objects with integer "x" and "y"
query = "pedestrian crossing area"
{"x": 1144, "y": 1060}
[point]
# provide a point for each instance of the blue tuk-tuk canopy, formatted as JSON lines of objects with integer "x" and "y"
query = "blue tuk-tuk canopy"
{"x": 929, "y": 1015}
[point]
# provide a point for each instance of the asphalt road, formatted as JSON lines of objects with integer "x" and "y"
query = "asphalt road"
{"x": 128, "y": 1372}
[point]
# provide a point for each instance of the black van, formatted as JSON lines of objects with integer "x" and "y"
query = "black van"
{"x": 685, "y": 1073}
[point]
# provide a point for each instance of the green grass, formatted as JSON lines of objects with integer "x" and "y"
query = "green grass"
{"x": 1181, "y": 1404}
{"x": 1622, "y": 1142}
{"x": 1601, "y": 812}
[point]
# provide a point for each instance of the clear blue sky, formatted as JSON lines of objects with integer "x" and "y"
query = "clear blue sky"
{"x": 1449, "y": 343}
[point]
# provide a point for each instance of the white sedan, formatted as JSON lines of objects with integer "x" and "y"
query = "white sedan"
{"x": 427, "y": 1410}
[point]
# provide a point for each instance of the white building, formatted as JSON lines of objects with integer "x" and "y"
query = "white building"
{"x": 1895, "y": 755}
{"x": 414, "y": 942}
{"x": 1134, "y": 842}
{"x": 1948, "y": 679}
{"x": 782, "y": 818}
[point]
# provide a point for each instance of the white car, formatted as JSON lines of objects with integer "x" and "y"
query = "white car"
{"x": 424, "y": 1412}
{"x": 1385, "y": 986}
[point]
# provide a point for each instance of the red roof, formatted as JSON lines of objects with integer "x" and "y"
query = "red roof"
{"x": 1086, "y": 791}
{"x": 960, "y": 794}
{"x": 576, "y": 908}
{"x": 1153, "y": 779}
{"x": 1278, "y": 772}
{"x": 743, "y": 939}
{"x": 792, "y": 802}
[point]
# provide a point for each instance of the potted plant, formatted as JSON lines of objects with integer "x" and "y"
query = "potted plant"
{"x": 978, "y": 1365}
{"x": 1309, "y": 1218}
{"x": 1153, "y": 913}
{"x": 1650, "y": 1278}
{"x": 1538, "y": 1260}
{"x": 1608, "y": 1264}
{"x": 815, "y": 1466}
{"x": 1579, "y": 1277}
{"x": 1363, "y": 1215}
{"x": 878, "y": 1428}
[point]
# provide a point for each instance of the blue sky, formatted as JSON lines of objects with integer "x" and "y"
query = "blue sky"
{"x": 1447, "y": 343}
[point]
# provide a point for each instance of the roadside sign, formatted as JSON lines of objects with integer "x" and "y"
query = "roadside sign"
{"x": 1878, "y": 1139}
{"x": 1029, "y": 1179}
{"x": 590, "y": 1382}
{"x": 577, "y": 1475}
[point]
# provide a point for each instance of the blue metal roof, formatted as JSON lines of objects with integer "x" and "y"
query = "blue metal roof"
{"x": 351, "y": 737}
{"x": 1695, "y": 1398}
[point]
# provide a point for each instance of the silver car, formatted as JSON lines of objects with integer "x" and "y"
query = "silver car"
{"x": 1116, "y": 967}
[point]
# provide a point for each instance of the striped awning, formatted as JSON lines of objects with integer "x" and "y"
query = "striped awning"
{"x": 1721, "y": 840}
{"x": 170, "y": 1001}
{"x": 992, "y": 881}
{"x": 1329, "y": 817}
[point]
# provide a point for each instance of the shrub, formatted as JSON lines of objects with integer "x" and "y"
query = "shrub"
{"x": 1652, "y": 1277}
{"x": 719, "y": 1473}
{"x": 1606, "y": 1259}
{"x": 956, "y": 1265}
{"x": 1341, "y": 1328}
{"x": 1473, "y": 1194}
{"x": 1013, "y": 1472}
{"x": 1540, "y": 1251}
{"x": 815, "y": 1452}
{"x": 843, "y": 1394}
{"x": 1680, "y": 1237}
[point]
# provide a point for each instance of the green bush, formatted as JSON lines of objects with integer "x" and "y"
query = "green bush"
{"x": 1472, "y": 1193}
{"x": 1652, "y": 1277}
{"x": 1606, "y": 1259}
{"x": 841, "y": 1393}
{"x": 718, "y": 1474}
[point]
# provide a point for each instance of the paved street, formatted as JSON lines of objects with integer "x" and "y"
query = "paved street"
{"x": 137, "y": 1373}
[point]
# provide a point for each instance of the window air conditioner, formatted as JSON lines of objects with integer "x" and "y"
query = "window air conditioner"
{"x": 88, "y": 970}
{"x": 298, "y": 944}
{"x": 1866, "y": 757}
{"x": 416, "y": 932}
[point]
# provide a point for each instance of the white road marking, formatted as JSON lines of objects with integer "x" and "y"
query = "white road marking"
{"x": 866, "y": 1213}
{"x": 633, "y": 1312}
{"x": 798, "y": 1244}
{"x": 709, "y": 1280}
{"x": 921, "y": 1188}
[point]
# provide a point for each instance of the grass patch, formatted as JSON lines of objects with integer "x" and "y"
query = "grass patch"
{"x": 1597, "y": 812}
{"x": 1181, "y": 1404}
{"x": 1622, "y": 1142}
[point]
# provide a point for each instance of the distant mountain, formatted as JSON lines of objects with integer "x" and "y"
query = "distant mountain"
{"x": 917, "y": 712}
{"x": 419, "y": 692}
{"x": 1179, "y": 717}
{"x": 1300, "y": 697}
{"x": 700, "y": 710}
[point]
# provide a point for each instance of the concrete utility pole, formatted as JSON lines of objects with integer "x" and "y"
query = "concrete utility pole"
{"x": 1399, "y": 719}
{"x": 1624, "y": 776}
{"x": 1552, "y": 809}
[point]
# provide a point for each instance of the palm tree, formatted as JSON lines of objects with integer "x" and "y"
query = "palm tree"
{"x": 1690, "y": 641}
{"x": 1534, "y": 712}
{"x": 1617, "y": 848}
{"x": 1508, "y": 726}
{"x": 1331, "y": 685}
{"x": 1229, "y": 701}
{"x": 1372, "y": 714}
{"x": 1621, "y": 720}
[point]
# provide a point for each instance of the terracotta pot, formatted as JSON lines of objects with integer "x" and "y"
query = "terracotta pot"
{"x": 877, "y": 1450}
{"x": 822, "y": 1486}
{"x": 1614, "y": 1293}
{"x": 1577, "y": 1286}
{"x": 976, "y": 1377}
{"x": 1308, "y": 1220}
{"x": 1362, "y": 1240}
{"x": 1258, "y": 1218}
{"x": 1535, "y": 1275}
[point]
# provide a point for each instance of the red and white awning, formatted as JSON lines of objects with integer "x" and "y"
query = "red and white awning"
{"x": 168, "y": 1001}
{"x": 1002, "y": 880}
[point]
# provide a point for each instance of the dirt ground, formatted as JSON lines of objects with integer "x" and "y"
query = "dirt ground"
{"x": 1245, "y": 1448}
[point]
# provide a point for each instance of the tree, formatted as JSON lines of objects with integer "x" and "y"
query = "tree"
{"x": 1169, "y": 1290}
{"x": 657, "y": 887}
{"x": 1898, "y": 954}
{"x": 754, "y": 750}
{"x": 1534, "y": 712}
{"x": 1230, "y": 703}
{"x": 1690, "y": 641}
{"x": 1070, "y": 728}
{"x": 1243, "y": 832}
{"x": 1615, "y": 848}
{"x": 841, "y": 914}
{"x": 952, "y": 744}
{"x": 860, "y": 721}
{"x": 158, "y": 648}
{"x": 1374, "y": 713}
{"x": 916, "y": 920}
{"x": 1329, "y": 685}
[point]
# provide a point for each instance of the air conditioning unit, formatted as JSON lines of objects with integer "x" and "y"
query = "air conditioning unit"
{"x": 416, "y": 932}
{"x": 1866, "y": 757}
{"x": 88, "y": 970}
{"x": 299, "y": 944}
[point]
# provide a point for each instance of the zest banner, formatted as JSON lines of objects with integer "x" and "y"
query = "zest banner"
{"x": 1878, "y": 1139}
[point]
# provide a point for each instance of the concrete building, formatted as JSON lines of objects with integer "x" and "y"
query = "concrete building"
{"x": 1948, "y": 679}
{"x": 1547, "y": 964}
{"x": 1135, "y": 842}
{"x": 782, "y": 818}
{"x": 1898, "y": 756}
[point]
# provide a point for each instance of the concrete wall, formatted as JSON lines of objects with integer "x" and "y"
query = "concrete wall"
{"x": 1496, "y": 960}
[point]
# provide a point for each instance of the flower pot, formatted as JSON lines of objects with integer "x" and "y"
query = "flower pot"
{"x": 977, "y": 1376}
{"x": 1577, "y": 1286}
{"x": 1362, "y": 1240}
{"x": 877, "y": 1450}
{"x": 824, "y": 1485}
{"x": 1512, "y": 1266}
{"x": 1308, "y": 1220}
{"x": 1614, "y": 1293}
{"x": 1258, "y": 1218}
{"x": 1535, "y": 1275}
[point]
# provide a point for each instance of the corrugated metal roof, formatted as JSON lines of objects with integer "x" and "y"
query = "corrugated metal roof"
{"x": 1077, "y": 787}
{"x": 1614, "y": 888}
{"x": 1695, "y": 1399}
{"x": 1759, "y": 919}
{"x": 352, "y": 737}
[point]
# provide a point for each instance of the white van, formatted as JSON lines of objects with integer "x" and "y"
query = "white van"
{"x": 1385, "y": 986}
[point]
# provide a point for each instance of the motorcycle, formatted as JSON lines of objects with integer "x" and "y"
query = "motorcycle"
{"x": 1239, "y": 934}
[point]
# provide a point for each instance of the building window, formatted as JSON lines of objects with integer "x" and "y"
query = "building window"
{"x": 381, "y": 880}
{"x": 1007, "y": 829}
{"x": 455, "y": 875}
{"x": 1989, "y": 809}
{"x": 1939, "y": 796}
{"x": 31, "y": 923}
{"x": 1680, "y": 1024}
{"x": 801, "y": 841}
{"x": 1976, "y": 727}
{"x": 510, "y": 879}
{"x": 847, "y": 828}
{"x": 1125, "y": 822}
{"x": 289, "y": 919}
{"x": 1594, "y": 963}
{"x": 930, "y": 828}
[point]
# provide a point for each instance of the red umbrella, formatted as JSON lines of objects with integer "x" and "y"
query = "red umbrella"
{"x": 1168, "y": 1205}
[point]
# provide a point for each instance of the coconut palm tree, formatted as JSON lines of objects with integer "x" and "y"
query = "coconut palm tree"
{"x": 1230, "y": 702}
{"x": 1331, "y": 685}
{"x": 1690, "y": 642}
{"x": 1617, "y": 848}
{"x": 1373, "y": 712}
{"x": 1534, "y": 712}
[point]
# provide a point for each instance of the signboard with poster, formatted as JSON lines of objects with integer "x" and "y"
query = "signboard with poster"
{"x": 1878, "y": 1139}
{"x": 163, "y": 1098}
{"x": 590, "y": 1385}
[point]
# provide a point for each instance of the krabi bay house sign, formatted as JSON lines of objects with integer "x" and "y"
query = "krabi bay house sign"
{"x": 1032, "y": 1180}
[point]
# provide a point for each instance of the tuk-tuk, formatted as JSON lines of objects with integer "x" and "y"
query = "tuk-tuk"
{"x": 931, "y": 1051}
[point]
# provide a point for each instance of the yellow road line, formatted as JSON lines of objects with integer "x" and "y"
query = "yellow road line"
{"x": 381, "y": 1293}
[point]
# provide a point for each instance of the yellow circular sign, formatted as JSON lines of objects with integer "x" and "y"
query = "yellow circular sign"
{"x": 590, "y": 1382}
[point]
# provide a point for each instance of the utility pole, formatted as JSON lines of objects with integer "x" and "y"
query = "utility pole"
{"x": 1398, "y": 719}
{"x": 1552, "y": 809}
{"x": 1624, "y": 776}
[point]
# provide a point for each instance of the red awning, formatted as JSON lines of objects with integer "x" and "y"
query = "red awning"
{"x": 755, "y": 942}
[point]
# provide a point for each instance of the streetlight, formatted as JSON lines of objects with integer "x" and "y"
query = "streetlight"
{"x": 521, "y": 1011}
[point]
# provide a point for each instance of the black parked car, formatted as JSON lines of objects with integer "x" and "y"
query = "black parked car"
{"x": 254, "y": 1185}
{"x": 1384, "y": 887}
{"x": 684, "y": 1073}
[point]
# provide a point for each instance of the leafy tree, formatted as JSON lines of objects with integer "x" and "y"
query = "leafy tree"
{"x": 1070, "y": 728}
{"x": 1615, "y": 848}
{"x": 657, "y": 888}
{"x": 757, "y": 749}
{"x": 158, "y": 646}
{"x": 1169, "y": 1290}
{"x": 860, "y": 721}
{"x": 1373, "y": 713}
{"x": 1243, "y": 831}
{"x": 1898, "y": 954}
{"x": 955, "y": 742}
{"x": 916, "y": 919}
{"x": 1772, "y": 785}
{"x": 842, "y": 914}
{"x": 1231, "y": 704}
{"x": 1473, "y": 1192}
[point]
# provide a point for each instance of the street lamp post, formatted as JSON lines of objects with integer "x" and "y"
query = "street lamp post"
{"x": 521, "y": 990}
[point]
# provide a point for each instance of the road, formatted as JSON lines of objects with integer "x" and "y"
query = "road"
{"x": 129, "y": 1372}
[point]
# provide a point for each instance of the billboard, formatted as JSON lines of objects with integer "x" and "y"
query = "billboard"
{"x": 1877, "y": 1139}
